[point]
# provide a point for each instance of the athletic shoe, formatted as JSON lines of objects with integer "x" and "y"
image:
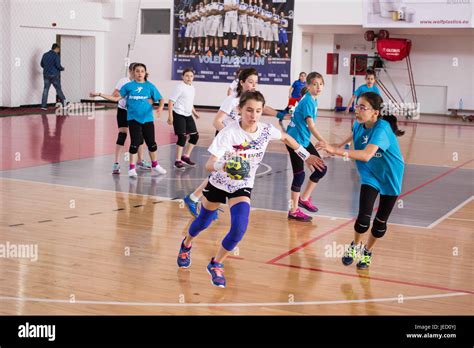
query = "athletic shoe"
{"x": 188, "y": 161}
{"x": 116, "y": 168}
{"x": 308, "y": 205}
{"x": 298, "y": 215}
{"x": 191, "y": 205}
{"x": 132, "y": 173}
{"x": 179, "y": 165}
{"x": 159, "y": 169}
{"x": 144, "y": 164}
{"x": 216, "y": 270}
{"x": 365, "y": 260}
{"x": 45, "y": 109}
{"x": 184, "y": 256}
{"x": 350, "y": 254}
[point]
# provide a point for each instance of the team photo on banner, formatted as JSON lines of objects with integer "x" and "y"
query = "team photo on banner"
{"x": 217, "y": 37}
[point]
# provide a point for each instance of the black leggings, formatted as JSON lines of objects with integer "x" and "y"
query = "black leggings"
{"x": 367, "y": 198}
{"x": 298, "y": 168}
{"x": 140, "y": 132}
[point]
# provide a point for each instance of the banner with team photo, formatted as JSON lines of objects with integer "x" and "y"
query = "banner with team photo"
{"x": 418, "y": 13}
{"x": 217, "y": 37}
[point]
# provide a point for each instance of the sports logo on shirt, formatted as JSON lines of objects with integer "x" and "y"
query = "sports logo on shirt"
{"x": 365, "y": 139}
{"x": 139, "y": 89}
{"x": 244, "y": 146}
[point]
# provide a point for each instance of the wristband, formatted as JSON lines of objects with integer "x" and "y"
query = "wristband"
{"x": 302, "y": 153}
{"x": 280, "y": 115}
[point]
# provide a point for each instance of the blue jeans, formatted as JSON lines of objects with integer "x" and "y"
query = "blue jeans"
{"x": 54, "y": 80}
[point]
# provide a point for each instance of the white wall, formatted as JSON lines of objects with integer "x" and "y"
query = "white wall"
{"x": 111, "y": 23}
{"x": 432, "y": 59}
{"x": 31, "y": 34}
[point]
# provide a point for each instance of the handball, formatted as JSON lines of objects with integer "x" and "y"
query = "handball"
{"x": 237, "y": 168}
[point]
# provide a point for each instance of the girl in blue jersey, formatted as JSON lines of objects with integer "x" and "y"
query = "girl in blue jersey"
{"x": 301, "y": 127}
{"x": 140, "y": 95}
{"x": 370, "y": 86}
{"x": 381, "y": 167}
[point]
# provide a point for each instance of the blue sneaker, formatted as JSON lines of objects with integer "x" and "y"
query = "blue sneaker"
{"x": 216, "y": 270}
{"x": 191, "y": 205}
{"x": 184, "y": 256}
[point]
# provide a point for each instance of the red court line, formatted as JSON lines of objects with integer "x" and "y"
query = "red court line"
{"x": 376, "y": 278}
{"x": 335, "y": 229}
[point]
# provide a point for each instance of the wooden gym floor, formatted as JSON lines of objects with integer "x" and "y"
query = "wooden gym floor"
{"x": 108, "y": 245}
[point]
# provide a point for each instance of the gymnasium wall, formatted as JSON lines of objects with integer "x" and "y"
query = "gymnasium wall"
{"x": 32, "y": 34}
{"x": 439, "y": 59}
{"x": 112, "y": 24}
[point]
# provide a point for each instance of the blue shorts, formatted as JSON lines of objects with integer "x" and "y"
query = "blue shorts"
{"x": 182, "y": 32}
{"x": 282, "y": 37}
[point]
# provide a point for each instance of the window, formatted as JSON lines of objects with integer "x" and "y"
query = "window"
{"x": 156, "y": 21}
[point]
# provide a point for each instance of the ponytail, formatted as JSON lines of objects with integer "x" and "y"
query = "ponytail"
{"x": 376, "y": 102}
{"x": 392, "y": 120}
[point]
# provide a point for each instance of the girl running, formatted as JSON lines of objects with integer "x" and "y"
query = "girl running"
{"x": 227, "y": 114}
{"x": 140, "y": 115}
{"x": 380, "y": 165}
{"x": 301, "y": 127}
{"x": 180, "y": 115}
{"x": 247, "y": 138}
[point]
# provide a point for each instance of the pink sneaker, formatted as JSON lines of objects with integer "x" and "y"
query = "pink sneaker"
{"x": 308, "y": 205}
{"x": 299, "y": 216}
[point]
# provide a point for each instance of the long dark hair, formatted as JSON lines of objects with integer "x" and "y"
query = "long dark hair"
{"x": 243, "y": 76}
{"x": 376, "y": 102}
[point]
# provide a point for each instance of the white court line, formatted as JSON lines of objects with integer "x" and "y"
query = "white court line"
{"x": 257, "y": 304}
{"x": 458, "y": 219}
{"x": 452, "y": 211}
{"x": 87, "y": 188}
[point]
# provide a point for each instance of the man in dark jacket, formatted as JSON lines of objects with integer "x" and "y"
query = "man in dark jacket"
{"x": 51, "y": 68}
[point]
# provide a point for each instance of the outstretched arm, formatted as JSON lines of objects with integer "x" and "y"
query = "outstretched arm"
{"x": 105, "y": 96}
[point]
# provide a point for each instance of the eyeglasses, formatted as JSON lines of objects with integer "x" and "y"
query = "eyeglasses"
{"x": 362, "y": 108}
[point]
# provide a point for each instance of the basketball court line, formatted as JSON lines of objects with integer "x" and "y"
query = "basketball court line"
{"x": 428, "y": 286}
{"x": 256, "y": 304}
{"x": 337, "y": 228}
{"x": 452, "y": 211}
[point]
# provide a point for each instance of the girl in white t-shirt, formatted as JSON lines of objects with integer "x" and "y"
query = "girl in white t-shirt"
{"x": 247, "y": 138}
{"x": 228, "y": 113}
{"x": 180, "y": 114}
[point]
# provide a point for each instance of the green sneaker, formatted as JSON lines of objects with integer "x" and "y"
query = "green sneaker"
{"x": 351, "y": 253}
{"x": 365, "y": 260}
